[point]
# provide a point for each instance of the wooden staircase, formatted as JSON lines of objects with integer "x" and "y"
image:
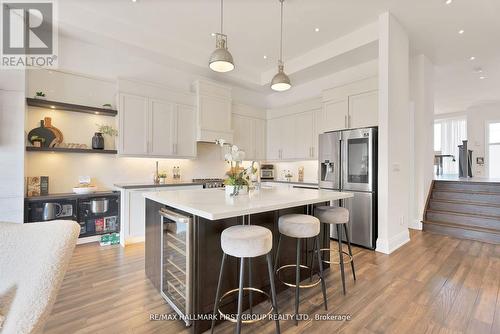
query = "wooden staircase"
{"x": 464, "y": 209}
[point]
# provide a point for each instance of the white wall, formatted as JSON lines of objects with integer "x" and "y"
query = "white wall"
{"x": 12, "y": 114}
{"x": 422, "y": 96}
{"x": 394, "y": 135}
{"x": 477, "y": 116}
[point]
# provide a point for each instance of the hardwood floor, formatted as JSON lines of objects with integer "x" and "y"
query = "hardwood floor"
{"x": 433, "y": 284}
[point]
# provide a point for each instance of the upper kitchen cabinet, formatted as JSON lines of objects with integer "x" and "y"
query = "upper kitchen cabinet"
{"x": 213, "y": 112}
{"x": 354, "y": 105}
{"x": 156, "y": 128}
{"x": 249, "y": 128}
{"x": 281, "y": 138}
{"x": 133, "y": 125}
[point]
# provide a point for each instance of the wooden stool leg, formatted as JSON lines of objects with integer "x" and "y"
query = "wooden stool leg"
{"x": 240, "y": 296}
{"x": 297, "y": 282}
{"x": 341, "y": 256}
{"x": 273, "y": 291}
{"x": 320, "y": 264}
{"x": 216, "y": 304}
{"x": 350, "y": 251}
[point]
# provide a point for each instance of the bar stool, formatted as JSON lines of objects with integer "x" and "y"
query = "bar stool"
{"x": 339, "y": 217}
{"x": 245, "y": 242}
{"x": 300, "y": 227}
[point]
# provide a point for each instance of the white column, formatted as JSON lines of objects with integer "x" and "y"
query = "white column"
{"x": 12, "y": 115}
{"x": 422, "y": 96}
{"x": 394, "y": 135}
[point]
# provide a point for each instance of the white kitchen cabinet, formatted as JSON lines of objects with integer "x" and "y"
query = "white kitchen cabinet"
{"x": 156, "y": 128}
{"x": 163, "y": 127}
{"x": 133, "y": 124}
{"x": 214, "y": 119}
{"x": 304, "y": 135}
{"x": 186, "y": 131}
{"x": 250, "y": 136}
{"x": 132, "y": 228}
{"x": 281, "y": 134}
{"x": 274, "y": 139}
{"x": 363, "y": 109}
{"x": 336, "y": 113}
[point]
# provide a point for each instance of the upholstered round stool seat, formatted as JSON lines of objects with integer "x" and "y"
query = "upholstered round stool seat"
{"x": 332, "y": 214}
{"x": 299, "y": 226}
{"x": 246, "y": 241}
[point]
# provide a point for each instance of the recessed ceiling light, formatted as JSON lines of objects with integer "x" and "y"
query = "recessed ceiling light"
{"x": 134, "y": 0}
{"x": 316, "y": 29}
{"x": 265, "y": 57}
{"x": 461, "y": 31}
{"x": 472, "y": 58}
{"x": 478, "y": 70}
{"x": 448, "y": 2}
{"x": 213, "y": 34}
{"x": 482, "y": 77}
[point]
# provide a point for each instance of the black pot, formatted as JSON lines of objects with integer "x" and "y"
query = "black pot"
{"x": 98, "y": 141}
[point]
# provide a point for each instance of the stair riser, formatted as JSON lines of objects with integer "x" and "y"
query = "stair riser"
{"x": 472, "y": 221}
{"x": 465, "y": 208}
{"x": 479, "y": 198}
{"x": 465, "y": 234}
{"x": 466, "y": 186}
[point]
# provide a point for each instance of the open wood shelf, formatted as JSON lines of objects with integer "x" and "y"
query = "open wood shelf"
{"x": 68, "y": 150}
{"x": 70, "y": 107}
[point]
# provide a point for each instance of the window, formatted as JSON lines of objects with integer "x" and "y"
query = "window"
{"x": 493, "y": 149}
{"x": 448, "y": 134}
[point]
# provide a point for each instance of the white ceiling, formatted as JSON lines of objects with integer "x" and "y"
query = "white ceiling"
{"x": 180, "y": 30}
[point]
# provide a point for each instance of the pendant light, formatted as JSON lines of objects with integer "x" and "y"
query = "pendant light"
{"x": 221, "y": 60}
{"x": 281, "y": 81}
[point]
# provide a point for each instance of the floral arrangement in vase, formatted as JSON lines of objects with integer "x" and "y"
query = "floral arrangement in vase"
{"x": 238, "y": 178}
{"x": 111, "y": 134}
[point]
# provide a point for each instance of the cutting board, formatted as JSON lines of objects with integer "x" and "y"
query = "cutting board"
{"x": 44, "y": 133}
{"x": 56, "y": 131}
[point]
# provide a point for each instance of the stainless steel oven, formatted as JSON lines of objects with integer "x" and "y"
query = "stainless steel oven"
{"x": 176, "y": 262}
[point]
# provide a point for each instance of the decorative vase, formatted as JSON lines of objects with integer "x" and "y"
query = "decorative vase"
{"x": 98, "y": 141}
{"x": 236, "y": 190}
{"x": 109, "y": 142}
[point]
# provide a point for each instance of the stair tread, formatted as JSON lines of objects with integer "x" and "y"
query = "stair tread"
{"x": 465, "y": 202}
{"x": 465, "y": 227}
{"x": 444, "y": 190}
{"x": 465, "y": 214}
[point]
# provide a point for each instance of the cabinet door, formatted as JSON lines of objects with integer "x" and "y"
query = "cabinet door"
{"x": 185, "y": 145}
{"x": 304, "y": 129}
{"x": 288, "y": 135}
{"x": 274, "y": 139}
{"x": 133, "y": 114}
{"x": 260, "y": 139}
{"x": 318, "y": 129}
{"x": 243, "y": 135}
{"x": 136, "y": 213}
{"x": 162, "y": 128}
{"x": 363, "y": 109}
{"x": 215, "y": 113}
{"x": 335, "y": 114}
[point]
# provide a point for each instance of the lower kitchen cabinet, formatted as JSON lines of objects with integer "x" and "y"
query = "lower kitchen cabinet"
{"x": 133, "y": 211}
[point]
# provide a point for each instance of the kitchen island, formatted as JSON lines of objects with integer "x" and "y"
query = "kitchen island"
{"x": 183, "y": 252}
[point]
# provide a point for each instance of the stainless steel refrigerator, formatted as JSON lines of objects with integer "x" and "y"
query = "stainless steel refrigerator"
{"x": 348, "y": 162}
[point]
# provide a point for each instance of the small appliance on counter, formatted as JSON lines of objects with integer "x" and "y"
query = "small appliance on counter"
{"x": 97, "y": 213}
{"x": 267, "y": 172}
{"x": 210, "y": 183}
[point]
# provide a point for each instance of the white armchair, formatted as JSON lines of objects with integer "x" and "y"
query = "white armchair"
{"x": 33, "y": 261}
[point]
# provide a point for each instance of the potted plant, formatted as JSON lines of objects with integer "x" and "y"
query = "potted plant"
{"x": 162, "y": 177}
{"x": 40, "y": 95}
{"x": 110, "y": 135}
{"x": 238, "y": 178}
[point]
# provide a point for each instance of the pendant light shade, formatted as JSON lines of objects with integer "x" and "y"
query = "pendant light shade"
{"x": 221, "y": 59}
{"x": 281, "y": 81}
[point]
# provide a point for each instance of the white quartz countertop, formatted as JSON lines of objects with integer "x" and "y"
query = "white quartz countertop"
{"x": 213, "y": 204}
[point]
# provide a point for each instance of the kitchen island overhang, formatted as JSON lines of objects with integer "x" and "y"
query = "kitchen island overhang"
{"x": 183, "y": 251}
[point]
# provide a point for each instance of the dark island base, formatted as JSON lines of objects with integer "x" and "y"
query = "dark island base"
{"x": 207, "y": 255}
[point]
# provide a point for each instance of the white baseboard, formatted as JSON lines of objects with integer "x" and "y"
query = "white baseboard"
{"x": 134, "y": 240}
{"x": 416, "y": 225}
{"x": 387, "y": 246}
{"x": 86, "y": 240}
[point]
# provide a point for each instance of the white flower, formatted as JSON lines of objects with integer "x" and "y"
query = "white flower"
{"x": 234, "y": 149}
{"x": 228, "y": 157}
